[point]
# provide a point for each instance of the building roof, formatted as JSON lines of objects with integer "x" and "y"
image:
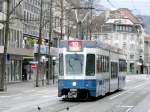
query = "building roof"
{"x": 124, "y": 13}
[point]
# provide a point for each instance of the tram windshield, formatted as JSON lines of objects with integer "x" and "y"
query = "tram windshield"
{"x": 74, "y": 64}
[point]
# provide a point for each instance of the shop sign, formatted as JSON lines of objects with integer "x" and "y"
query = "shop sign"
{"x": 34, "y": 66}
{"x": 43, "y": 50}
{"x": 33, "y": 62}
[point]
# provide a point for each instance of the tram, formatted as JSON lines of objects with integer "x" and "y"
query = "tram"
{"x": 89, "y": 69}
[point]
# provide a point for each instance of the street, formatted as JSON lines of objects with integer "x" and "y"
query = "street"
{"x": 24, "y": 97}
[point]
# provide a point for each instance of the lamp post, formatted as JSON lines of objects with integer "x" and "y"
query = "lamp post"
{"x": 148, "y": 59}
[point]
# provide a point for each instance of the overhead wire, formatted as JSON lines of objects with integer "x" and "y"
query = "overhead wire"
{"x": 111, "y": 3}
{"x": 134, "y": 8}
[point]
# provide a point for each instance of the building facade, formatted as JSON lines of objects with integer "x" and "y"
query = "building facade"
{"x": 123, "y": 30}
{"x": 15, "y": 51}
{"x": 31, "y": 10}
{"x": 146, "y": 54}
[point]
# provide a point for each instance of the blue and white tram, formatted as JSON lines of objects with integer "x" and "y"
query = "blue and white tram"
{"x": 88, "y": 69}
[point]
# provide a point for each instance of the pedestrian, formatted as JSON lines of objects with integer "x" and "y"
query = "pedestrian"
{"x": 24, "y": 78}
{"x": 137, "y": 71}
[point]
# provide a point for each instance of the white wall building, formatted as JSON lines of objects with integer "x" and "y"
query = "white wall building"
{"x": 125, "y": 32}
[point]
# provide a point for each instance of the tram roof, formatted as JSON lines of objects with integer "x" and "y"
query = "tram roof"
{"x": 92, "y": 44}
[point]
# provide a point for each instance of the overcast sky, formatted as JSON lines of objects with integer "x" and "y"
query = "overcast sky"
{"x": 139, "y": 7}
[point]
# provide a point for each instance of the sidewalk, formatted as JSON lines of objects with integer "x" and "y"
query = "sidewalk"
{"x": 25, "y": 97}
{"x": 20, "y": 87}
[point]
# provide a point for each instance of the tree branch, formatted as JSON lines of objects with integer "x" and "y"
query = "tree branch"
{"x": 15, "y": 7}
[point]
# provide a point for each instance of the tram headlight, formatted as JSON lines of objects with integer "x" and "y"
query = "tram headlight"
{"x": 74, "y": 83}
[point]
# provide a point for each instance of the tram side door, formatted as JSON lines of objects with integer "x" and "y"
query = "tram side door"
{"x": 114, "y": 76}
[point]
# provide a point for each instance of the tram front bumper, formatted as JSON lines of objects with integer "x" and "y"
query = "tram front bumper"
{"x": 76, "y": 86}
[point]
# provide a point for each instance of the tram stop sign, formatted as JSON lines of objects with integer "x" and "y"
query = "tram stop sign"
{"x": 34, "y": 66}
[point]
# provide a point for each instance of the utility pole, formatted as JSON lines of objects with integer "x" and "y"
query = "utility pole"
{"x": 39, "y": 44}
{"x": 91, "y": 2}
{"x": 50, "y": 35}
{"x": 62, "y": 12}
{"x": 3, "y": 85}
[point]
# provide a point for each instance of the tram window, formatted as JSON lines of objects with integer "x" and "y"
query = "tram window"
{"x": 122, "y": 65}
{"x": 74, "y": 64}
{"x": 61, "y": 64}
{"x": 114, "y": 70}
{"x": 98, "y": 65}
{"x": 90, "y": 65}
{"x": 104, "y": 68}
{"x": 107, "y": 65}
{"x": 102, "y": 64}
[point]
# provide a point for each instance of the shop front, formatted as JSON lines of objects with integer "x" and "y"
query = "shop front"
{"x": 14, "y": 68}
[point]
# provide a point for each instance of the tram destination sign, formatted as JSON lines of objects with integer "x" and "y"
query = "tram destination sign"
{"x": 75, "y": 46}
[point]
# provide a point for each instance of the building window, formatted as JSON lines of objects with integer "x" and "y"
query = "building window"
{"x": 130, "y": 28}
{"x": 116, "y": 37}
{"x": 132, "y": 37}
{"x": 124, "y": 36}
{"x": 124, "y": 45}
{"x": 127, "y": 28}
{"x": 116, "y": 45}
{"x": 132, "y": 46}
{"x": 131, "y": 67}
{"x": 131, "y": 56}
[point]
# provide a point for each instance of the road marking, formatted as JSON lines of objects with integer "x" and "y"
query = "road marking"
{"x": 117, "y": 95}
{"x": 128, "y": 91}
{"x": 129, "y": 107}
{"x": 28, "y": 91}
{"x": 17, "y": 98}
{"x": 138, "y": 86}
{"x": 128, "y": 80}
{"x": 126, "y": 106}
{"x": 49, "y": 96}
{"x": 7, "y": 96}
{"x": 4, "y": 96}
